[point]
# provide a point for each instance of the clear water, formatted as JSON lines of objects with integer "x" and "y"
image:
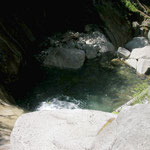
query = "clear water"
{"x": 94, "y": 86}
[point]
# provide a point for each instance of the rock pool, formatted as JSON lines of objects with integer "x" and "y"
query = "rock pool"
{"x": 95, "y": 86}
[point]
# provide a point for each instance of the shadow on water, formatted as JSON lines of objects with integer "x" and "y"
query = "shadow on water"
{"x": 94, "y": 86}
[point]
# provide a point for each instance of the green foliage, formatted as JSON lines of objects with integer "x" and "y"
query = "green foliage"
{"x": 116, "y": 113}
{"x": 138, "y": 90}
{"x": 139, "y": 100}
{"x": 130, "y": 5}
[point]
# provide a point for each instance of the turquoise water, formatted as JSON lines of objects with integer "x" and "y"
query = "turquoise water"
{"x": 94, "y": 86}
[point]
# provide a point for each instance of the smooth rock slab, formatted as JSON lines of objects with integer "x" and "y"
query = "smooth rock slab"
{"x": 141, "y": 53}
{"x": 58, "y": 129}
{"x": 130, "y": 131}
{"x": 136, "y": 42}
{"x": 143, "y": 65}
{"x": 65, "y": 58}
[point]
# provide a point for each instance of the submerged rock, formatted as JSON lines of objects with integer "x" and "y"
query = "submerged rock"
{"x": 58, "y": 129}
{"x": 136, "y": 42}
{"x": 65, "y": 58}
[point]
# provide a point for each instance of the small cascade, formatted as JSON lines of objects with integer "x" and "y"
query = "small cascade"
{"x": 57, "y": 103}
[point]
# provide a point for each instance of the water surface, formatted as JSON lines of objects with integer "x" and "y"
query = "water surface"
{"x": 94, "y": 86}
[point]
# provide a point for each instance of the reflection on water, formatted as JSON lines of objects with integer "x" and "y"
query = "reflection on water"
{"x": 95, "y": 86}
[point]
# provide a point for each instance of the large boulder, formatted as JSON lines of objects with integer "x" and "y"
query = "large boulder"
{"x": 143, "y": 66}
{"x": 130, "y": 131}
{"x": 65, "y": 58}
{"x": 141, "y": 53}
{"x": 136, "y": 42}
{"x": 83, "y": 129}
{"x": 58, "y": 129}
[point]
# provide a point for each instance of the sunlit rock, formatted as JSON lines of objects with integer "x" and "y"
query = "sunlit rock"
{"x": 130, "y": 131}
{"x": 131, "y": 63}
{"x": 58, "y": 129}
{"x": 123, "y": 53}
{"x": 143, "y": 65}
{"x": 141, "y": 53}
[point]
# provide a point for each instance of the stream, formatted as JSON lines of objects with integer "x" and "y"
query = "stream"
{"x": 95, "y": 86}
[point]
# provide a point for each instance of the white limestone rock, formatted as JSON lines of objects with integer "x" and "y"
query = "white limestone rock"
{"x": 131, "y": 62}
{"x": 58, "y": 129}
{"x": 123, "y": 53}
{"x": 83, "y": 130}
{"x": 141, "y": 53}
{"x": 143, "y": 65}
{"x": 130, "y": 131}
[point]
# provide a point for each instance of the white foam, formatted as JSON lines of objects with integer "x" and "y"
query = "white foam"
{"x": 56, "y": 103}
